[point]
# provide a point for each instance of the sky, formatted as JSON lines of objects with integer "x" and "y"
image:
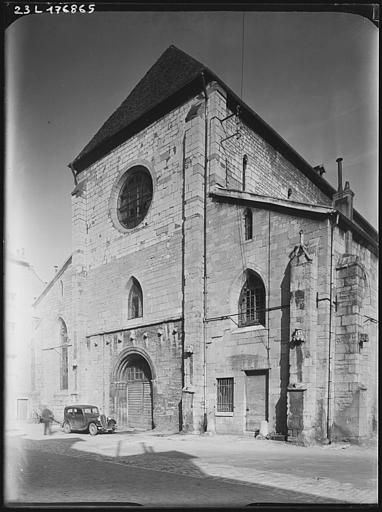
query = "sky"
{"x": 312, "y": 76}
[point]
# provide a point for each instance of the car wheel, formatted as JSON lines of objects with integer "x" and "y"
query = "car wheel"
{"x": 67, "y": 428}
{"x": 93, "y": 430}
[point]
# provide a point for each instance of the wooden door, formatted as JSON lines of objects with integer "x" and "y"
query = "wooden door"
{"x": 120, "y": 404}
{"x": 139, "y": 404}
{"x": 256, "y": 399}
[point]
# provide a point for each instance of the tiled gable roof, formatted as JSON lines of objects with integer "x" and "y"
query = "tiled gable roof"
{"x": 174, "y": 78}
{"x": 170, "y": 73}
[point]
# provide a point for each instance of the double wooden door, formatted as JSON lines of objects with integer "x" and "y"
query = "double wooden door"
{"x": 133, "y": 403}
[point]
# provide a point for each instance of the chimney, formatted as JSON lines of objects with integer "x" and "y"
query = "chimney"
{"x": 55, "y": 269}
{"x": 339, "y": 169}
{"x": 343, "y": 202}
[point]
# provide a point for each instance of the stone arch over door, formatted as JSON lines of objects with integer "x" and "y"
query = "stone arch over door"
{"x": 131, "y": 390}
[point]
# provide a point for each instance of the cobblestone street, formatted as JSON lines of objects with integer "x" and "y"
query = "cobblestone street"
{"x": 178, "y": 470}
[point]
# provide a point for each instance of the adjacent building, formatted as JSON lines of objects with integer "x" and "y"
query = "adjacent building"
{"x": 216, "y": 279}
{"x": 22, "y": 287}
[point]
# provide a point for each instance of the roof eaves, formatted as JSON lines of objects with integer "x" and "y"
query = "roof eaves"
{"x": 256, "y": 200}
{"x": 56, "y": 276}
{"x": 267, "y": 202}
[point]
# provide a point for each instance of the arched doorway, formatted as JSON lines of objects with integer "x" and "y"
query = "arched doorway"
{"x": 132, "y": 396}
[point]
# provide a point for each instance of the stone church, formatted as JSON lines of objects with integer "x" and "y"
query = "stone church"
{"x": 216, "y": 279}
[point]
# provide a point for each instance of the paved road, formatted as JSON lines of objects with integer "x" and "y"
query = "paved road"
{"x": 197, "y": 469}
{"x": 52, "y": 471}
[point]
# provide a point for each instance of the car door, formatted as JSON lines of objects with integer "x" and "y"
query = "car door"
{"x": 78, "y": 419}
{"x": 69, "y": 417}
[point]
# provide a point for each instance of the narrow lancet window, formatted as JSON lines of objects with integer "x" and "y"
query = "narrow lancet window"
{"x": 248, "y": 224}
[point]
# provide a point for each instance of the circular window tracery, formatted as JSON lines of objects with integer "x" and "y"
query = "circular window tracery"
{"x": 134, "y": 197}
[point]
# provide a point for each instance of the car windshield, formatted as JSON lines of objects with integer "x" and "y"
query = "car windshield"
{"x": 95, "y": 410}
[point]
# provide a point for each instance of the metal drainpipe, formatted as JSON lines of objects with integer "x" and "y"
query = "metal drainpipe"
{"x": 103, "y": 374}
{"x": 328, "y": 415}
{"x": 269, "y": 286}
{"x": 205, "y": 253}
{"x": 183, "y": 250}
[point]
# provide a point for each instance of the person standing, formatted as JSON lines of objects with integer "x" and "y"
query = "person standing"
{"x": 47, "y": 418}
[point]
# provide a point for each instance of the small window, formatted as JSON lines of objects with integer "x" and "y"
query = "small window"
{"x": 135, "y": 300}
{"x": 248, "y": 224}
{"x": 245, "y": 163}
{"x": 252, "y": 301}
{"x": 224, "y": 395}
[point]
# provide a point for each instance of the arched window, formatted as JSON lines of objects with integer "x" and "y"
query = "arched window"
{"x": 135, "y": 299}
{"x": 252, "y": 301}
{"x": 64, "y": 355}
{"x": 248, "y": 224}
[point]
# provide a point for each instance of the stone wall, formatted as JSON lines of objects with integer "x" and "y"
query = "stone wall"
{"x": 231, "y": 350}
{"x": 161, "y": 344}
{"x": 267, "y": 171}
{"x": 108, "y": 255}
{"x": 55, "y": 304}
{"x": 166, "y": 254}
{"x": 355, "y": 379}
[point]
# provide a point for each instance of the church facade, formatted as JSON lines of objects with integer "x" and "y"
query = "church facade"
{"x": 216, "y": 279}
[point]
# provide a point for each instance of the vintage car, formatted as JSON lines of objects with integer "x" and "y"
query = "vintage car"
{"x": 87, "y": 418}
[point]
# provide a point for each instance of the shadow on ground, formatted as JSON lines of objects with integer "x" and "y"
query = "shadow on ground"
{"x": 28, "y": 459}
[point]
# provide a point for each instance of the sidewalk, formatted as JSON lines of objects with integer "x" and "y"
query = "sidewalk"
{"x": 344, "y": 472}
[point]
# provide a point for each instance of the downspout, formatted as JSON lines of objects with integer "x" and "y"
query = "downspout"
{"x": 205, "y": 253}
{"x": 333, "y": 223}
{"x": 183, "y": 263}
{"x": 269, "y": 287}
{"x": 103, "y": 374}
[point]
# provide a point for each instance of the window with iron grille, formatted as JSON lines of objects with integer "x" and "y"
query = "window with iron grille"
{"x": 252, "y": 301}
{"x": 248, "y": 224}
{"x": 224, "y": 395}
{"x": 135, "y": 197}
